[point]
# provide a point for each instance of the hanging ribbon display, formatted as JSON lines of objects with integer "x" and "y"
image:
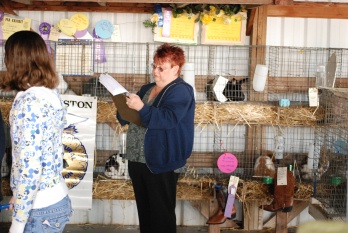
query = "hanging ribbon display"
{"x": 81, "y": 22}
{"x": 167, "y": 20}
{"x": 99, "y": 50}
{"x": 1, "y": 18}
{"x": 103, "y": 30}
{"x": 67, "y": 27}
{"x": 45, "y": 29}
{"x": 158, "y": 10}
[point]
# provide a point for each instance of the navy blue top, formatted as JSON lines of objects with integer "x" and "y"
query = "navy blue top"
{"x": 170, "y": 126}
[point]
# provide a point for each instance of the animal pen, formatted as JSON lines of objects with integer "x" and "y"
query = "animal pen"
{"x": 261, "y": 130}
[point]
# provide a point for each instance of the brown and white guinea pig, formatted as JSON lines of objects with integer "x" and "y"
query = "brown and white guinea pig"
{"x": 264, "y": 166}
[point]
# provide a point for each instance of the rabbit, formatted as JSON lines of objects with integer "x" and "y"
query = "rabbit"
{"x": 323, "y": 166}
{"x": 264, "y": 166}
{"x": 232, "y": 91}
{"x": 115, "y": 167}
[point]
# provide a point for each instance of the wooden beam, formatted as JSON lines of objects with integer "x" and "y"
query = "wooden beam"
{"x": 298, "y": 207}
{"x": 250, "y": 2}
{"x": 310, "y": 10}
{"x": 317, "y": 212}
{"x": 26, "y": 2}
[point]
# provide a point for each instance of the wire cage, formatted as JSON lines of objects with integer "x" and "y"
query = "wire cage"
{"x": 248, "y": 123}
{"x": 331, "y": 152}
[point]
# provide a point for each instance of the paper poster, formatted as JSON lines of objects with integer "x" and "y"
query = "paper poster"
{"x": 116, "y": 35}
{"x": 79, "y": 147}
{"x": 12, "y": 25}
{"x": 220, "y": 33}
{"x": 182, "y": 30}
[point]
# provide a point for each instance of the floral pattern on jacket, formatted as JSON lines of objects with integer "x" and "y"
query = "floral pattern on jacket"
{"x": 37, "y": 153}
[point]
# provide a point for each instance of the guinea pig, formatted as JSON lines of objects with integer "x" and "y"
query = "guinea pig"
{"x": 264, "y": 166}
{"x": 116, "y": 167}
{"x": 232, "y": 91}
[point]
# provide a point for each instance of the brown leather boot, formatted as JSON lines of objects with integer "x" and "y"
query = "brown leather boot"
{"x": 283, "y": 195}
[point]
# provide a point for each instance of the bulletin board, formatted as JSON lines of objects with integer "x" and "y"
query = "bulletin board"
{"x": 183, "y": 30}
{"x": 218, "y": 33}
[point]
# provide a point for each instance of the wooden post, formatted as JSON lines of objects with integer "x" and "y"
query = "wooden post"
{"x": 252, "y": 215}
{"x": 281, "y": 222}
{"x": 213, "y": 206}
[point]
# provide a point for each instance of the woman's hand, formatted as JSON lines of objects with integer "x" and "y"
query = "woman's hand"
{"x": 11, "y": 202}
{"x": 133, "y": 101}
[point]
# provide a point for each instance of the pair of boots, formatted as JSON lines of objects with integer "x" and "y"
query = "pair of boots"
{"x": 283, "y": 195}
{"x": 219, "y": 217}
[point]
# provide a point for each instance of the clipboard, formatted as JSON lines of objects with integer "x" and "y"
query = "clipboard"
{"x": 125, "y": 112}
{"x": 118, "y": 93}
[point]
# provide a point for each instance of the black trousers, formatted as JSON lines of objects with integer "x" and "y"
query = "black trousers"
{"x": 155, "y": 196}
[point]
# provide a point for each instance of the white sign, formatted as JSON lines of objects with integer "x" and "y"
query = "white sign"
{"x": 79, "y": 146}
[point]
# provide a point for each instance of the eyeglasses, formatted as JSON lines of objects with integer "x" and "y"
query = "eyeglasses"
{"x": 154, "y": 66}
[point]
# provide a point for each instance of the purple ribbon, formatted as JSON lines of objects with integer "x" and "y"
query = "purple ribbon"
{"x": 99, "y": 50}
{"x": 45, "y": 29}
{"x": 1, "y": 36}
{"x": 230, "y": 201}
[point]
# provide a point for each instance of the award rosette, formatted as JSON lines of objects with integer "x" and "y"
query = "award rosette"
{"x": 67, "y": 27}
{"x": 99, "y": 49}
{"x": 81, "y": 22}
{"x": 1, "y": 18}
{"x": 45, "y": 29}
{"x": 102, "y": 30}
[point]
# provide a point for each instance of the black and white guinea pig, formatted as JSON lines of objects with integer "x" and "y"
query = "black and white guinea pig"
{"x": 116, "y": 167}
{"x": 232, "y": 91}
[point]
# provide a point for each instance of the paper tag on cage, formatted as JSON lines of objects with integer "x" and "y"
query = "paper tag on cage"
{"x": 313, "y": 97}
{"x": 282, "y": 176}
{"x": 227, "y": 163}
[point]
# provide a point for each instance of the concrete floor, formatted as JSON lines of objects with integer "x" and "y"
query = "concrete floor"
{"x": 99, "y": 228}
{"x": 96, "y": 228}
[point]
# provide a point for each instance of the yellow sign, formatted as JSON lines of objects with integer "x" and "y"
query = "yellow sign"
{"x": 183, "y": 30}
{"x": 222, "y": 33}
{"x": 228, "y": 32}
{"x": 12, "y": 25}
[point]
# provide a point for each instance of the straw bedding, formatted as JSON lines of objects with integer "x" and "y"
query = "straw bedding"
{"x": 247, "y": 113}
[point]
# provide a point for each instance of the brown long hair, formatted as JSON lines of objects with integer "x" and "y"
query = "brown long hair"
{"x": 28, "y": 63}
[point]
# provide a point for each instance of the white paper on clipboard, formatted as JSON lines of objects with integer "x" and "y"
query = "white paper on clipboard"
{"x": 114, "y": 87}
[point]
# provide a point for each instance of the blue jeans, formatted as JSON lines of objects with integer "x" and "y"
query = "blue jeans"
{"x": 49, "y": 219}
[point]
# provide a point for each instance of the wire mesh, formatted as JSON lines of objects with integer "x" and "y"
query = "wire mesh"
{"x": 331, "y": 153}
{"x": 291, "y": 71}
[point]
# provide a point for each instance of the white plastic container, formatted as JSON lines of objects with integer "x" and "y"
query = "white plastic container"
{"x": 260, "y": 77}
{"x": 188, "y": 74}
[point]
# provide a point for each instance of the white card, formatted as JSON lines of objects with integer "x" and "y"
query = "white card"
{"x": 313, "y": 97}
{"x": 282, "y": 176}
